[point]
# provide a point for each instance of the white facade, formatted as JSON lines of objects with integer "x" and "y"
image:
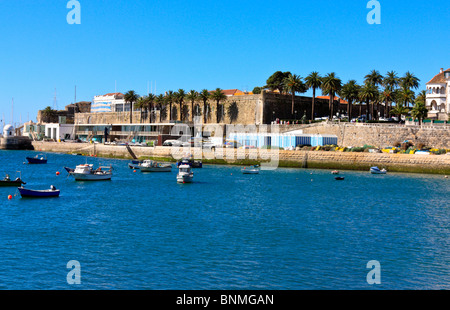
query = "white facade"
{"x": 438, "y": 95}
{"x": 113, "y": 102}
{"x": 59, "y": 131}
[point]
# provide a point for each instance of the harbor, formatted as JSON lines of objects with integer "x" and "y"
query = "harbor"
{"x": 284, "y": 229}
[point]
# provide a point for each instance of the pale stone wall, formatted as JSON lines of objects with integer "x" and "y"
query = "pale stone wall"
{"x": 383, "y": 135}
{"x": 302, "y": 159}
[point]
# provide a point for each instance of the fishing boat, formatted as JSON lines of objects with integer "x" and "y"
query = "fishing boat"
{"x": 153, "y": 166}
{"x": 339, "y": 178}
{"x": 251, "y": 170}
{"x": 185, "y": 174}
{"x": 87, "y": 172}
{"x": 52, "y": 192}
{"x": 191, "y": 162}
{"x": 7, "y": 181}
{"x": 135, "y": 164}
{"x": 376, "y": 170}
{"x": 38, "y": 159}
{"x": 335, "y": 172}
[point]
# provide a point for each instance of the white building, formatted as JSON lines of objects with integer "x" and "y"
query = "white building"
{"x": 438, "y": 95}
{"x": 8, "y": 131}
{"x": 112, "y": 102}
{"x": 59, "y": 132}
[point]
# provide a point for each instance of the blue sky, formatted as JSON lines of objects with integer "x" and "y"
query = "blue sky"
{"x": 205, "y": 44}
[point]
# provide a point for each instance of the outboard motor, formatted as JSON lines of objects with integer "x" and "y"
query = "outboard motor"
{"x": 53, "y": 188}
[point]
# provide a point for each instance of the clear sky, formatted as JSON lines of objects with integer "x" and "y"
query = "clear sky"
{"x": 167, "y": 45}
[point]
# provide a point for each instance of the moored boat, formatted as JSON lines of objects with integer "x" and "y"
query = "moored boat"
{"x": 251, "y": 170}
{"x": 7, "y": 181}
{"x": 52, "y": 192}
{"x": 339, "y": 178}
{"x": 87, "y": 172}
{"x": 191, "y": 162}
{"x": 38, "y": 159}
{"x": 185, "y": 174}
{"x": 376, "y": 170}
{"x": 153, "y": 166}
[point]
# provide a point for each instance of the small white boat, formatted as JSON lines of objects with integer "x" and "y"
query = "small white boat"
{"x": 153, "y": 166}
{"x": 86, "y": 172}
{"x": 376, "y": 170}
{"x": 185, "y": 174}
{"x": 251, "y": 170}
{"x": 335, "y": 172}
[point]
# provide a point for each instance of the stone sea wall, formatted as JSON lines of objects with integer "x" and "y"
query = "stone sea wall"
{"x": 439, "y": 164}
{"x": 383, "y": 135}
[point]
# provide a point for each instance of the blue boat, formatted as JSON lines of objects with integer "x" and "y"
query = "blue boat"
{"x": 38, "y": 159}
{"x": 52, "y": 192}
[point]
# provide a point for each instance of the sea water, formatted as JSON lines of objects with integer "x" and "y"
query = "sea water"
{"x": 286, "y": 229}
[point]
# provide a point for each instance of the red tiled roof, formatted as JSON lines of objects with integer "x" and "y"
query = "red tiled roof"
{"x": 228, "y": 92}
{"x": 438, "y": 78}
{"x": 335, "y": 98}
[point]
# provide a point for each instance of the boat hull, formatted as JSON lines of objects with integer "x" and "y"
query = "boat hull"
{"x": 185, "y": 178}
{"x": 155, "y": 169}
{"x": 29, "y": 193}
{"x": 4, "y": 183}
{"x": 36, "y": 161}
{"x": 91, "y": 177}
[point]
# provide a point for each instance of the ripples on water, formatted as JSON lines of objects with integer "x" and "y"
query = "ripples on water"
{"x": 283, "y": 229}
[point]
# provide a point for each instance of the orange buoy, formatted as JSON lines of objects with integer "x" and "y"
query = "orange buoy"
{"x": 57, "y": 172}
{"x": 134, "y": 170}
{"x": 9, "y": 197}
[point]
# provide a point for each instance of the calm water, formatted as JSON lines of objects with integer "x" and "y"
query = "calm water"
{"x": 285, "y": 229}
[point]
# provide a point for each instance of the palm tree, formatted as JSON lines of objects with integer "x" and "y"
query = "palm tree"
{"x": 170, "y": 97}
{"x": 294, "y": 84}
{"x": 422, "y": 97}
{"x": 150, "y": 101}
{"x": 409, "y": 81}
{"x": 419, "y": 111}
{"x": 405, "y": 96}
{"x": 131, "y": 97}
{"x": 399, "y": 110}
{"x": 350, "y": 92}
{"x": 314, "y": 81}
{"x": 141, "y": 104}
{"x": 330, "y": 86}
{"x": 48, "y": 114}
{"x": 204, "y": 96}
{"x": 179, "y": 97}
{"x": 374, "y": 78}
{"x": 161, "y": 102}
{"x": 192, "y": 96}
{"x": 218, "y": 96}
{"x": 368, "y": 93}
{"x": 387, "y": 96}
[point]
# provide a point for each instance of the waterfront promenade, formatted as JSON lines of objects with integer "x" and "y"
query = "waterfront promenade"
{"x": 437, "y": 164}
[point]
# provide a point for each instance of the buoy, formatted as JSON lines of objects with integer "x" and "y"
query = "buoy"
{"x": 9, "y": 197}
{"x": 134, "y": 170}
{"x": 57, "y": 172}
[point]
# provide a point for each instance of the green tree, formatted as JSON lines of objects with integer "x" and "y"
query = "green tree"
{"x": 179, "y": 97}
{"x": 257, "y": 90}
{"x": 218, "y": 96}
{"x": 331, "y": 85}
{"x": 192, "y": 96}
{"x": 162, "y": 103}
{"x": 409, "y": 81}
{"x": 204, "y": 96}
{"x": 419, "y": 111}
{"x": 150, "y": 103}
{"x": 368, "y": 94}
{"x": 48, "y": 114}
{"x": 276, "y": 81}
{"x": 350, "y": 92}
{"x": 399, "y": 109}
{"x": 294, "y": 84}
{"x": 131, "y": 97}
{"x": 314, "y": 81}
{"x": 170, "y": 97}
